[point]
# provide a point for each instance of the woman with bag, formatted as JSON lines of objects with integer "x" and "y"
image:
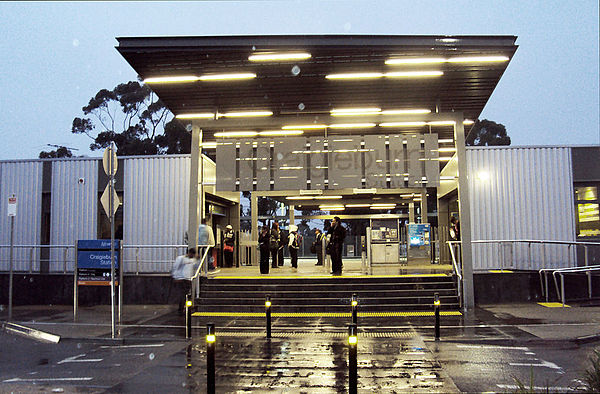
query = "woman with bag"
{"x": 228, "y": 245}
{"x": 263, "y": 244}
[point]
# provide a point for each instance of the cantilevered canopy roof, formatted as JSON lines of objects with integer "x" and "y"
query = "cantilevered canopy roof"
{"x": 310, "y": 76}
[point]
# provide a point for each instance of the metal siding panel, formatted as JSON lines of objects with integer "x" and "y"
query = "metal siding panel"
{"x": 247, "y": 165}
{"x": 345, "y": 167}
{"x": 432, "y": 164}
{"x": 398, "y": 166}
{"x": 295, "y": 175}
{"x": 226, "y": 169}
{"x": 74, "y": 208}
{"x": 24, "y": 179}
{"x": 413, "y": 148}
{"x": 529, "y": 196}
{"x": 375, "y": 165}
{"x": 317, "y": 161}
{"x": 156, "y": 193}
{"x": 263, "y": 164}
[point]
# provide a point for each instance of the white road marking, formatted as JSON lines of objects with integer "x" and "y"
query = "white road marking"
{"x": 128, "y": 346}
{"x": 76, "y": 359}
{"x": 544, "y": 364}
{"x": 525, "y": 349}
{"x": 14, "y": 380}
{"x": 536, "y": 388}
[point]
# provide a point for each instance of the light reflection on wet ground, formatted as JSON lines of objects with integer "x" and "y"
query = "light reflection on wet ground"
{"x": 318, "y": 363}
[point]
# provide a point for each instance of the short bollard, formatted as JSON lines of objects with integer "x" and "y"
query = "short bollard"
{"x": 352, "y": 363}
{"x": 210, "y": 357}
{"x": 354, "y": 304}
{"x": 188, "y": 315}
{"x": 436, "y": 309}
{"x": 268, "y": 314}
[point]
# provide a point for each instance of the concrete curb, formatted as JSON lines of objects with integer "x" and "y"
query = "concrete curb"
{"x": 32, "y": 333}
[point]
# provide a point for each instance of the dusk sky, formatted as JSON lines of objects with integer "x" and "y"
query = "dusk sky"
{"x": 56, "y": 56}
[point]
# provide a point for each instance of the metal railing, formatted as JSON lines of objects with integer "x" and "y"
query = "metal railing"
{"x": 455, "y": 251}
{"x": 28, "y": 258}
{"x": 562, "y": 271}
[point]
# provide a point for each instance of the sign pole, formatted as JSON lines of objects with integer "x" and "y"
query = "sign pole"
{"x": 10, "y": 280}
{"x": 112, "y": 240}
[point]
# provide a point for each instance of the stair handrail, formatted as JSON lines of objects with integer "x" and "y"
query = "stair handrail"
{"x": 196, "y": 277}
{"x": 562, "y": 271}
{"x": 457, "y": 269}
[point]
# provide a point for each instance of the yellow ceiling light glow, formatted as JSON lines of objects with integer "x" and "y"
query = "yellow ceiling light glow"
{"x": 205, "y": 115}
{"x": 413, "y": 74}
{"x": 405, "y": 111}
{"x": 358, "y": 205}
{"x": 441, "y": 123}
{"x": 209, "y": 145}
{"x": 420, "y": 60}
{"x": 233, "y": 134}
{"x": 477, "y": 59}
{"x": 299, "y": 198}
{"x": 355, "y": 111}
{"x": 246, "y": 114}
{"x": 272, "y": 56}
{"x": 305, "y": 127}
{"x": 226, "y": 77}
{"x": 280, "y": 132}
{"x": 468, "y": 122}
{"x": 354, "y": 76}
{"x": 328, "y": 197}
{"x": 446, "y": 149}
{"x": 173, "y": 79}
{"x": 402, "y": 124}
{"x": 331, "y": 207}
{"x": 351, "y": 125}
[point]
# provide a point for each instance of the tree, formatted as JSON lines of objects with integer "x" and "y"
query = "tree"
{"x": 487, "y": 133}
{"x": 134, "y": 118}
{"x": 61, "y": 151}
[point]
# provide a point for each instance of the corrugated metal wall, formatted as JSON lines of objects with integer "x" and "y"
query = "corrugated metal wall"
{"x": 156, "y": 195}
{"x": 74, "y": 207}
{"x": 24, "y": 179}
{"x": 521, "y": 193}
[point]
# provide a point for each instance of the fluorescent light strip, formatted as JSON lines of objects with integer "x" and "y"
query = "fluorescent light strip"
{"x": 439, "y": 60}
{"x": 272, "y": 56}
{"x": 354, "y": 111}
{"x": 300, "y": 198}
{"x": 206, "y": 115}
{"x": 354, "y": 76}
{"x": 305, "y": 127}
{"x": 351, "y": 125}
{"x": 405, "y": 111}
{"x": 358, "y": 205}
{"x": 329, "y": 197}
{"x": 173, "y": 79}
{"x": 413, "y": 74}
{"x": 402, "y": 124}
{"x": 446, "y": 149}
{"x": 232, "y": 134}
{"x": 445, "y": 140}
{"x": 246, "y": 114}
{"x": 280, "y": 132}
{"x": 468, "y": 121}
{"x": 226, "y": 77}
{"x": 331, "y": 207}
{"x": 441, "y": 123}
{"x": 209, "y": 145}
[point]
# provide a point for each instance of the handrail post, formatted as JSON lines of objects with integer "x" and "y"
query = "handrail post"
{"x": 31, "y": 260}
{"x": 562, "y": 288}
{"x": 137, "y": 260}
{"x": 65, "y": 261}
{"x": 589, "y": 278}
{"x": 546, "y": 282}
{"x": 529, "y": 254}
{"x": 585, "y": 248}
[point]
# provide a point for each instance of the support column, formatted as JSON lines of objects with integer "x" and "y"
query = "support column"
{"x": 196, "y": 199}
{"x": 464, "y": 209}
{"x": 254, "y": 224}
{"x": 443, "y": 213}
{"x": 291, "y": 214}
{"x": 411, "y": 212}
{"x": 424, "y": 218}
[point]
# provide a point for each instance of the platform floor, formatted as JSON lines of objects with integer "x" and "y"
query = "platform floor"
{"x": 351, "y": 268}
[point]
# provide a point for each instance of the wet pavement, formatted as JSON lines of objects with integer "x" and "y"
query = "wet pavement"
{"x": 491, "y": 349}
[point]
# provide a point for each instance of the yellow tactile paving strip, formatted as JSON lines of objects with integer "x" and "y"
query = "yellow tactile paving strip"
{"x": 553, "y": 305}
{"x": 330, "y": 277}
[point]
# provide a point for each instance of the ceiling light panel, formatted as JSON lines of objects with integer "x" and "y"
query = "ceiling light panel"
{"x": 278, "y": 57}
{"x": 173, "y": 79}
{"x": 245, "y": 114}
{"x": 413, "y": 74}
{"x": 234, "y": 134}
{"x": 205, "y": 115}
{"x": 226, "y": 77}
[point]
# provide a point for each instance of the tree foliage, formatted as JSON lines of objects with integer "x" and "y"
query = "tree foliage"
{"x": 134, "y": 118}
{"x": 487, "y": 133}
{"x": 61, "y": 151}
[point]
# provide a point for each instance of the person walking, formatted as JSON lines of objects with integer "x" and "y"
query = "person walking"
{"x": 293, "y": 245}
{"x": 182, "y": 273}
{"x": 263, "y": 244}
{"x": 318, "y": 246}
{"x": 274, "y": 243}
{"x": 336, "y": 245}
{"x": 228, "y": 245}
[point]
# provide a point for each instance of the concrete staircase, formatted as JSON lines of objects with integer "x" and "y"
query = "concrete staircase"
{"x": 314, "y": 295}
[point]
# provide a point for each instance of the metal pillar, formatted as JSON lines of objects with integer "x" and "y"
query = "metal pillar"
{"x": 411, "y": 212}
{"x": 464, "y": 207}
{"x": 254, "y": 229}
{"x": 443, "y": 223}
{"x": 291, "y": 214}
{"x": 196, "y": 200}
{"x": 424, "y": 206}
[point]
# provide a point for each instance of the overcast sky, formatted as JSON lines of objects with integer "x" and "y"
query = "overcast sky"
{"x": 56, "y": 56}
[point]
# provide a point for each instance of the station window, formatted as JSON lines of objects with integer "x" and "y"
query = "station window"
{"x": 588, "y": 212}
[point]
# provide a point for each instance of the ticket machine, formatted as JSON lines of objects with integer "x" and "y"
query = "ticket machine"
{"x": 384, "y": 241}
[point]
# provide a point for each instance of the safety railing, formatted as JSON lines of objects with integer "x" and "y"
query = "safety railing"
{"x": 30, "y": 258}
{"x": 455, "y": 254}
{"x": 576, "y": 270}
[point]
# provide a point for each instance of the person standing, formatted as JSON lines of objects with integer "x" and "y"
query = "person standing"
{"x": 294, "y": 245}
{"x": 283, "y": 242}
{"x": 274, "y": 243}
{"x": 263, "y": 244}
{"x": 318, "y": 246}
{"x": 182, "y": 273}
{"x": 206, "y": 239}
{"x": 336, "y": 245}
{"x": 228, "y": 245}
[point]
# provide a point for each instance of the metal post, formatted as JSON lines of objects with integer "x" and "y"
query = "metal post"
{"x": 352, "y": 359}
{"x": 210, "y": 357}
{"x": 121, "y": 269}
{"x": 585, "y": 248}
{"x": 436, "y": 308}
{"x": 562, "y": 289}
{"x": 75, "y": 295}
{"x": 65, "y": 260}
{"x": 589, "y": 278}
{"x": 354, "y": 305}
{"x": 268, "y": 314}
{"x": 10, "y": 278}
{"x": 529, "y": 254}
{"x": 31, "y": 260}
{"x": 188, "y": 315}
{"x": 369, "y": 255}
{"x": 546, "y": 282}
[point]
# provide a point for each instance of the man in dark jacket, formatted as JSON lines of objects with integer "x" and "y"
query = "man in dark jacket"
{"x": 336, "y": 245}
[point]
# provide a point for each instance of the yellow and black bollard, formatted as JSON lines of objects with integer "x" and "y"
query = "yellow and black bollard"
{"x": 188, "y": 315}
{"x": 210, "y": 357}
{"x": 268, "y": 314}
{"x": 354, "y": 304}
{"x": 352, "y": 362}
{"x": 436, "y": 309}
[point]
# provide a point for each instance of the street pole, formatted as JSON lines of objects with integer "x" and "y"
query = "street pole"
{"x": 112, "y": 241}
{"x": 10, "y": 278}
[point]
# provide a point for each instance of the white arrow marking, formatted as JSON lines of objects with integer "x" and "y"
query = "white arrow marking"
{"x": 126, "y": 346}
{"x": 525, "y": 349}
{"x": 13, "y": 380}
{"x": 75, "y": 359}
{"x": 545, "y": 364}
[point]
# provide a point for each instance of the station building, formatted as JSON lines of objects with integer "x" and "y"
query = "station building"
{"x": 368, "y": 128}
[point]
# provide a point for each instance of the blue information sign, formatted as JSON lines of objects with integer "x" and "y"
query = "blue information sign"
{"x": 93, "y": 261}
{"x": 418, "y": 234}
{"x": 96, "y": 244}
